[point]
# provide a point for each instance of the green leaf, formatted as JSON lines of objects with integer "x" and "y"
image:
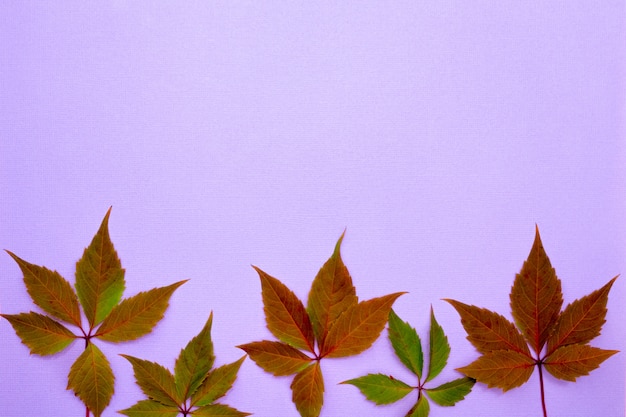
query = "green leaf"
{"x": 156, "y": 381}
{"x": 406, "y": 343}
{"x": 572, "y": 361}
{"x": 380, "y": 389}
{"x": 40, "y": 333}
{"x": 91, "y": 379}
{"x": 439, "y": 348}
{"x": 194, "y": 361}
{"x": 150, "y": 408}
{"x": 504, "y": 369}
{"x": 359, "y": 327}
{"x": 99, "y": 276}
{"x": 332, "y": 293}
{"x": 136, "y": 316}
{"x": 450, "y": 393}
{"x": 50, "y": 291}
{"x": 421, "y": 409}
{"x": 217, "y": 383}
{"x": 308, "y": 391}
{"x": 218, "y": 410}
{"x": 277, "y": 358}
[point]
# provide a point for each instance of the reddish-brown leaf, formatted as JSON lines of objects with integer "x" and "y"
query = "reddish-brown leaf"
{"x": 359, "y": 327}
{"x": 276, "y": 358}
{"x": 571, "y": 361}
{"x": 504, "y": 369}
{"x": 285, "y": 314}
{"x": 489, "y": 331}
{"x": 332, "y": 293}
{"x": 308, "y": 391}
{"x": 582, "y": 320}
{"x": 536, "y": 297}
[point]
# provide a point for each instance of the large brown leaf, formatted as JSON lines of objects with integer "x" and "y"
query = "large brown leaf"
{"x": 504, "y": 369}
{"x": 308, "y": 391}
{"x": 332, "y": 293}
{"x": 536, "y": 297}
{"x": 285, "y": 314}
{"x": 571, "y": 361}
{"x": 276, "y": 358}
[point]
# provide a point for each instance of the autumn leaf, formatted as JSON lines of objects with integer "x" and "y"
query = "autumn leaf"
{"x": 383, "y": 389}
{"x": 99, "y": 287}
{"x": 536, "y": 301}
{"x": 334, "y": 324}
{"x": 193, "y": 387}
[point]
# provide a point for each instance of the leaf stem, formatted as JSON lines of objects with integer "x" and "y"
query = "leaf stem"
{"x": 86, "y": 411}
{"x": 543, "y": 395}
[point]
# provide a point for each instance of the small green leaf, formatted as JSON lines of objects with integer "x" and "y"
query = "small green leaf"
{"x": 40, "y": 333}
{"x": 380, "y": 389}
{"x": 406, "y": 343}
{"x": 216, "y": 384}
{"x": 136, "y": 316}
{"x": 421, "y": 409}
{"x": 150, "y": 408}
{"x": 50, "y": 291}
{"x": 439, "y": 348}
{"x": 452, "y": 392}
{"x": 194, "y": 361}
{"x": 91, "y": 379}
{"x": 218, "y": 410}
{"x": 99, "y": 276}
{"x": 156, "y": 381}
{"x": 308, "y": 391}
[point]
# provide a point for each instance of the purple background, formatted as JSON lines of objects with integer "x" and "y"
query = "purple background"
{"x": 237, "y": 133}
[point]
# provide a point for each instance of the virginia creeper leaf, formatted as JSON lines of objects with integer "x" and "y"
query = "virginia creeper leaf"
{"x": 536, "y": 297}
{"x": 285, "y": 314}
{"x": 276, "y": 358}
{"x": 194, "y": 361}
{"x": 421, "y": 409}
{"x": 99, "y": 276}
{"x": 308, "y": 391}
{"x": 582, "y": 320}
{"x": 451, "y": 392}
{"x": 380, "y": 389}
{"x": 406, "y": 343}
{"x": 439, "y": 348}
{"x": 150, "y": 408}
{"x": 359, "y": 327}
{"x": 218, "y": 410}
{"x": 505, "y": 369}
{"x": 571, "y": 361}
{"x": 40, "y": 333}
{"x": 332, "y": 293}
{"x": 489, "y": 331}
{"x": 50, "y": 291}
{"x": 136, "y": 316}
{"x": 91, "y": 379}
{"x": 156, "y": 381}
{"x": 216, "y": 384}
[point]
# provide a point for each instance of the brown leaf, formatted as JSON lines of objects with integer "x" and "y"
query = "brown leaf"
{"x": 332, "y": 293}
{"x": 536, "y": 297}
{"x": 308, "y": 391}
{"x": 504, "y": 369}
{"x": 285, "y": 314}
{"x": 571, "y": 361}
{"x": 91, "y": 378}
{"x": 489, "y": 331}
{"x": 359, "y": 327}
{"x": 582, "y": 320}
{"x": 276, "y": 358}
{"x": 40, "y": 333}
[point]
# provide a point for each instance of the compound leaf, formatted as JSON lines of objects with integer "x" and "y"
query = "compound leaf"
{"x": 439, "y": 348}
{"x": 218, "y": 410}
{"x": 40, "y": 333}
{"x": 571, "y": 361}
{"x": 156, "y": 381}
{"x": 536, "y": 296}
{"x": 50, "y": 291}
{"x": 359, "y": 327}
{"x": 194, "y": 361}
{"x": 136, "y": 316}
{"x": 504, "y": 369}
{"x": 308, "y": 391}
{"x": 150, "y": 408}
{"x": 217, "y": 383}
{"x": 91, "y": 379}
{"x": 276, "y": 358}
{"x": 285, "y": 314}
{"x": 406, "y": 343}
{"x": 332, "y": 293}
{"x": 452, "y": 392}
{"x": 99, "y": 276}
{"x": 380, "y": 388}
